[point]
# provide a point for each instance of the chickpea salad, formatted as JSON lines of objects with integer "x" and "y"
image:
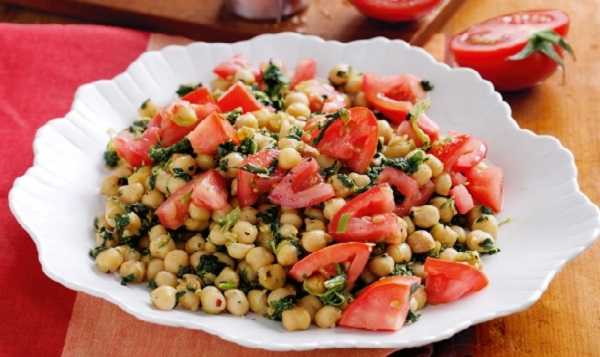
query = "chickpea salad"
{"x": 333, "y": 202}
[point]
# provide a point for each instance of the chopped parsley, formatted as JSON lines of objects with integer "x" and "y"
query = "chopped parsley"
{"x": 427, "y": 86}
{"x": 121, "y": 221}
{"x": 489, "y": 247}
{"x": 138, "y": 127}
{"x": 180, "y": 173}
{"x": 209, "y": 264}
{"x": 295, "y": 133}
{"x": 486, "y": 210}
{"x": 402, "y": 269}
{"x": 276, "y": 84}
{"x": 111, "y": 159}
{"x": 161, "y": 155}
{"x": 345, "y": 180}
{"x": 152, "y": 284}
{"x": 336, "y": 295}
{"x": 226, "y": 285}
{"x": 278, "y": 307}
{"x": 224, "y": 149}
{"x": 233, "y": 115}
{"x": 127, "y": 279}
{"x": 186, "y": 88}
{"x": 95, "y": 251}
{"x": 412, "y": 317}
{"x": 248, "y": 147}
{"x": 230, "y": 219}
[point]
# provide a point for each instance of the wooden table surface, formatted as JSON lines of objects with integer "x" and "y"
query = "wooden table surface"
{"x": 566, "y": 320}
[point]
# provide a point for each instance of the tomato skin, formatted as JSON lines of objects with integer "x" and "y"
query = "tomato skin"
{"x": 227, "y": 69}
{"x": 210, "y": 191}
{"x": 396, "y": 279}
{"x": 405, "y": 185}
{"x": 491, "y": 58}
{"x": 173, "y": 212}
{"x": 309, "y": 189}
{"x": 353, "y": 141}
{"x": 393, "y": 96}
{"x": 250, "y": 185}
{"x": 135, "y": 150}
{"x": 381, "y": 308}
{"x": 355, "y": 253}
{"x": 238, "y": 96}
{"x": 486, "y": 185}
{"x": 449, "y": 281}
{"x": 210, "y": 133}
{"x": 200, "y": 95}
{"x": 305, "y": 70}
{"x": 462, "y": 199}
{"x": 395, "y": 11}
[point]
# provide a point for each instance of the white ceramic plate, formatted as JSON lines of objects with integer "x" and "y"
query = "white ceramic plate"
{"x": 552, "y": 221}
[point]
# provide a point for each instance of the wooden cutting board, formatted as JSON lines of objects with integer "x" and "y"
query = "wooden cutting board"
{"x": 210, "y": 20}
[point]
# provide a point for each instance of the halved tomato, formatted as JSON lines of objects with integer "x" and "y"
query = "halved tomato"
{"x": 210, "y": 191}
{"x": 488, "y": 47}
{"x": 238, "y": 96}
{"x": 448, "y": 281}
{"x": 210, "y": 133}
{"x": 355, "y": 254}
{"x": 135, "y": 150}
{"x": 367, "y": 217}
{"x": 302, "y": 187}
{"x": 200, "y": 95}
{"x": 354, "y": 141}
{"x": 381, "y": 308}
{"x": 173, "y": 212}
{"x": 485, "y": 185}
{"x": 462, "y": 199}
{"x": 305, "y": 70}
{"x": 227, "y": 69}
{"x": 395, "y": 10}
{"x": 250, "y": 185}
{"x": 393, "y": 96}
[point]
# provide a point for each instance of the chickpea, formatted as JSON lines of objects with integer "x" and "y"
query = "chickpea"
{"x": 198, "y": 213}
{"x": 110, "y": 186}
{"x": 410, "y": 226}
{"x": 183, "y": 163}
{"x": 314, "y": 213}
{"x": 461, "y": 234}
{"x": 486, "y": 223}
{"x": 191, "y": 282}
{"x": 259, "y": 257}
{"x": 141, "y": 175}
{"x": 295, "y": 319}
{"x": 165, "y": 278}
{"x": 314, "y": 240}
{"x": 279, "y": 294}
{"x": 327, "y": 316}
{"x": 288, "y": 230}
{"x": 189, "y": 300}
{"x": 164, "y": 297}
{"x": 398, "y": 146}
{"x": 162, "y": 180}
{"x": 295, "y": 97}
{"x": 225, "y": 259}
{"x": 271, "y": 276}
{"x": 194, "y": 244}
{"x": 446, "y": 208}
{"x": 422, "y": 175}
{"x": 448, "y": 254}
{"x": 128, "y": 253}
{"x": 354, "y": 83}
{"x": 470, "y": 257}
{"x": 444, "y": 234}
{"x": 237, "y": 303}
{"x": 153, "y": 198}
{"x": 258, "y": 301}
{"x": 359, "y": 180}
{"x": 473, "y": 214}
{"x": 314, "y": 224}
{"x": 161, "y": 245}
{"x": 298, "y": 109}
{"x": 285, "y": 143}
{"x": 248, "y": 214}
{"x": 332, "y": 206}
{"x": 205, "y": 162}
{"x": 109, "y": 260}
{"x": 134, "y": 225}
{"x": 480, "y": 241}
{"x": 175, "y": 260}
{"x": 174, "y": 184}
{"x": 418, "y": 299}
{"x": 341, "y": 190}
{"x": 238, "y": 250}
{"x": 401, "y": 253}
{"x": 263, "y": 116}
{"x": 133, "y": 270}
{"x": 154, "y": 266}
{"x": 436, "y": 166}
{"x": 425, "y": 216}
{"x": 384, "y": 130}
{"x": 212, "y": 300}
{"x": 289, "y": 158}
{"x": 247, "y": 120}
{"x": 264, "y": 141}
{"x": 131, "y": 193}
{"x": 312, "y": 304}
{"x": 156, "y": 231}
{"x": 287, "y": 253}
{"x": 217, "y": 235}
{"x": 339, "y": 74}
{"x": 443, "y": 184}
{"x": 421, "y": 242}
{"x": 246, "y": 232}
{"x": 275, "y": 120}
{"x": 315, "y": 284}
{"x": 234, "y": 162}
{"x": 360, "y": 100}
{"x": 381, "y": 265}
{"x": 148, "y": 109}
{"x": 418, "y": 269}
{"x": 245, "y": 75}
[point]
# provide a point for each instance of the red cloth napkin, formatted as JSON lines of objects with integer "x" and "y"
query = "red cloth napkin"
{"x": 41, "y": 66}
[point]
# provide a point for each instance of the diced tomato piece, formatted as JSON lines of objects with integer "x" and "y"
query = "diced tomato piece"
{"x": 448, "y": 281}
{"x": 426, "y": 191}
{"x": 210, "y": 133}
{"x": 474, "y": 152}
{"x": 135, "y": 150}
{"x": 305, "y": 70}
{"x": 393, "y": 96}
{"x": 353, "y": 141}
{"x": 310, "y": 187}
{"x": 485, "y": 185}
{"x": 462, "y": 199}
{"x": 457, "y": 178}
{"x": 381, "y": 308}
{"x": 210, "y": 191}
{"x": 460, "y": 152}
{"x": 403, "y": 184}
{"x": 173, "y": 212}
{"x": 238, "y": 96}
{"x": 200, "y": 95}
{"x": 357, "y": 254}
{"x": 203, "y": 110}
{"x": 250, "y": 185}
{"x": 227, "y": 69}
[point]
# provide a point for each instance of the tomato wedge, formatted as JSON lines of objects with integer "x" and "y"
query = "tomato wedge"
{"x": 462, "y": 199}
{"x": 227, "y": 69}
{"x": 200, "y": 95}
{"x": 173, "y": 212}
{"x": 210, "y": 191}
{"x": 367, "y": 217}
{"x": 395, "y": 10}
{"x": 302, "y": 187}
{"x": 431, "y": 129}
{"x": 356, "y": 254}
{"x": 135, "y": 150}
{"x": 488, "y": 46}
{"x": 250, "y": 185}
{"x": 459, "y": 152}
{"x": 407, "y": 187}
{"x": 305, "y": 70}
{"x": 393, "y": 96}
{"x": 210, "y": 133}
{"x": 485, "y": 185}
{"x": 354, "y": 141}
{"x": 238, "y": 96}
{"x": 448, "y": 281}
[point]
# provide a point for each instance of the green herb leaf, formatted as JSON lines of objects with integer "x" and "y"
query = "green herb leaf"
{"x": 413, "y": 116}
{"x": 489, "y": 247}
{"x": 343, "y": 223}
{"x": 127, "y": 279}
{"x": 186, "y": 88}
{"x": 152, "y": 284}
{"x": 226, "y": 285}
{"x": 209, "y": 264}
{"x": 412, "y": 317}
{"x": 276, "y": 84}
{"x": 427, "y": 86}
{"x": 180, "y": 173}
{"x": 279, "y": 306}
{"x": 138, "y": 127}
{"x": 345, "y": 180}
{"x": 230, "y": 219}
{"x": 160, "y": 155}
{"x": 111, "y": 159}
{"x": 233, "y": 115}
{"x": 402, "y": 269}
{"x": 248, "y": 147}
{"x": 295, "y": 133}
{"x": 95, "y": 251}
